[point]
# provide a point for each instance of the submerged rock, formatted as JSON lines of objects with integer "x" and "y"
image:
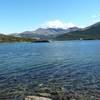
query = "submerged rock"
{"x": 44, "y": 94}
{"x": 36, "y": 98}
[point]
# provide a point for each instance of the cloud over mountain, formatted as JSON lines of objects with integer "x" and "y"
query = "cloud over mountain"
{"x": 58, "y": 24}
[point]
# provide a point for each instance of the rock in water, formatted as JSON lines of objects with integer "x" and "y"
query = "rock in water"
{"x": 36, "y": 98}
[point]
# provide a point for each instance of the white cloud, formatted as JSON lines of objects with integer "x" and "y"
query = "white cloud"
{"x": 96, "y": 16}
{"x": 94, "y": 19}
{"x": 58, "y": 24}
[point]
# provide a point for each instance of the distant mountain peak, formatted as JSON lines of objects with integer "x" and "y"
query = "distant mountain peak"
{"x": 45, "y": 32}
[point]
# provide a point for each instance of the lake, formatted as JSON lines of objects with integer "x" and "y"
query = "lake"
{"x": 70, "y": 66}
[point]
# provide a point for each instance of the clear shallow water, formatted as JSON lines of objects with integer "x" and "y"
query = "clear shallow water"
{"x": 71, "y": 66}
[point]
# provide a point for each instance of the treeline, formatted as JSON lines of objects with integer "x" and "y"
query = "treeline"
{"x": 78, "y": 36}
{"x": 4, "y": 38}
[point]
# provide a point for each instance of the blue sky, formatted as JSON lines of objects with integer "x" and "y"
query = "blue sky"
{"x": 22, "y": 15}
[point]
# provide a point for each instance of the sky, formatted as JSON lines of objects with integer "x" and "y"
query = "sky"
{"x": 23, "y": 15}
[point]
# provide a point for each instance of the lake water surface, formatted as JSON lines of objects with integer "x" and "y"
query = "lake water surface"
{"x": 28, "y": 68}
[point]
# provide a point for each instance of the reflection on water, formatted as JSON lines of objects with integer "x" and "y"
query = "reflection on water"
{"x": 27, "y": 68}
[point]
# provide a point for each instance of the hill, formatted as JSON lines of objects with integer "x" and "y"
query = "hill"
{"x": 89, "y": 33}
{"x": 44, "y": 33}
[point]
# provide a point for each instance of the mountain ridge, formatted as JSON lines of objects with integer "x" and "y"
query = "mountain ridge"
{"x": 90, "y": 32}
{"x": 44, "y": 32}
{"x": 73, "y": 33}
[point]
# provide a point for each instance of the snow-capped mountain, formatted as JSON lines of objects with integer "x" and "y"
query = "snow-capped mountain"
{"x": 45, "y": 32}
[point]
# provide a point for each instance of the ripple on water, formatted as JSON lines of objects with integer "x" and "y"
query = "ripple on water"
{"x": 73, "y": 67}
